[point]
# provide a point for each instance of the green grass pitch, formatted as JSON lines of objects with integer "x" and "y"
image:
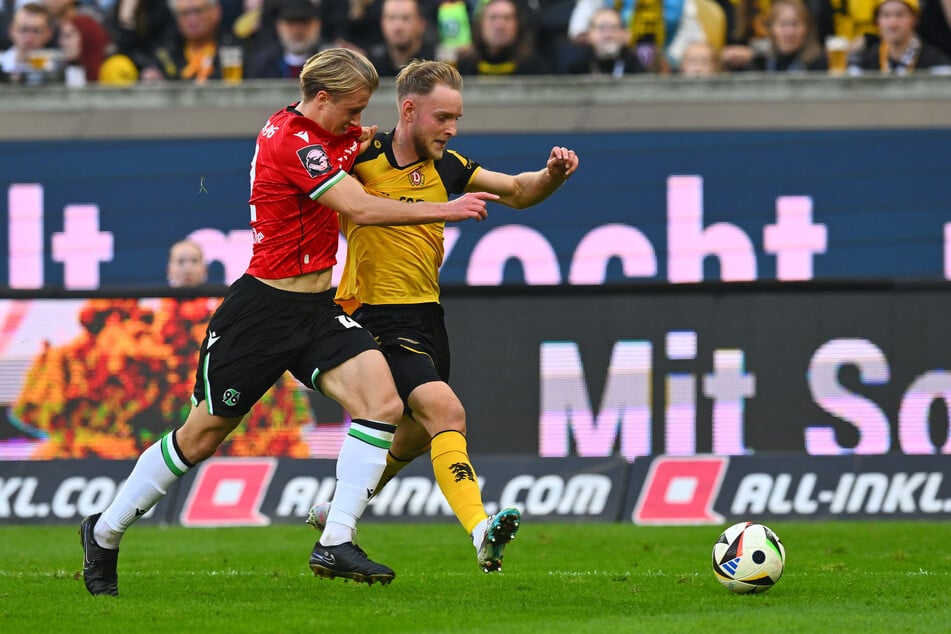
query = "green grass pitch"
{"x": 568, "y": 578}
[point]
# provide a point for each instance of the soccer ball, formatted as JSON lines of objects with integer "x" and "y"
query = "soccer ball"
{"x": 748, "y": 558}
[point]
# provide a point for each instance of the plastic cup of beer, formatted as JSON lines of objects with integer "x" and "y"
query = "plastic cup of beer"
{"x": 447, "y": 54}
{"x": 232, "y": 63}
{"x": 837, "y": 54}
{"x": 41, "y": 59}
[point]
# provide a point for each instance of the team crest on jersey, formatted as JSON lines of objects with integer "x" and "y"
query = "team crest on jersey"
{"x": 416, "y": 178}
{"x": 314, "y": 159}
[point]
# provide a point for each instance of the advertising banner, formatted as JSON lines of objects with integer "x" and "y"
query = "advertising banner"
{"x": 65, "y": 491}
{"x": 662, "y": 490}
{"x": 264, "y": 490}
{"x": 594, "y": 373}
{"x": 671, "y": 207}
{"x": 671, "y": 490}
{"x": 822, "y": 371}
{"x": 107, "y": 377}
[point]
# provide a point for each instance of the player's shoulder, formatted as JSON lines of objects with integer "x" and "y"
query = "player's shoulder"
{"x": 453, "y": 164}
{"x": 457, "y": 159}
{"x": 291, "y": 126}
{"x": 381, "y": 145}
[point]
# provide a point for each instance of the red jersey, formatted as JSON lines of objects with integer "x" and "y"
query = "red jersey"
{"x": 295, "y": 161}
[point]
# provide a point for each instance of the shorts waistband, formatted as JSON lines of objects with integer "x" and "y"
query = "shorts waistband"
{"x": 255, "y": 285}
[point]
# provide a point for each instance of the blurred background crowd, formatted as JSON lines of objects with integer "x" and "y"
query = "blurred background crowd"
{"x": 124, "y": 42}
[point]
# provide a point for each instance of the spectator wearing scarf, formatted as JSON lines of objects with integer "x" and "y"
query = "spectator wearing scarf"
{"x": 900, "y": 51}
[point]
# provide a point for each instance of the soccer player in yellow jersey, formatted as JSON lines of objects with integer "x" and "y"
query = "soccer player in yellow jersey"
{"x": 390, "y": 284}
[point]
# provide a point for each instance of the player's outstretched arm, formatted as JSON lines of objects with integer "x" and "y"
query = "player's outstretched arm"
{"x": 350, "y": 199}
{"x": 528, "y": 188}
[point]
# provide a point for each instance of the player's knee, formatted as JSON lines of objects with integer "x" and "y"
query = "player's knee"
{"x": 200, "y": 446}
{"x": 454, "y": 417}
{"x": 205, "y": 449}
{"x": 390, "y": 409}
{"x": 200, "y": 436}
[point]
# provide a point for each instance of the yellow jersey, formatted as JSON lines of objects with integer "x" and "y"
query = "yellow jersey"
{"x": 398, "y": 264}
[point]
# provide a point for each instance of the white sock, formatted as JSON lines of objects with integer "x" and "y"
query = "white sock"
{"x": 159, "y": 466}
{"x": 359, "y": 467}
{"x": 478, "y": 533}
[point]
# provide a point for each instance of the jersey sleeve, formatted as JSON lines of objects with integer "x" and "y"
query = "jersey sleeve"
{"x": 307, "y": 162}
{"x": 456, "y": 171}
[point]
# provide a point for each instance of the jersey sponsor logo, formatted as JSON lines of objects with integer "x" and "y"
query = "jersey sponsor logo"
{"x": 314, "y": 159}
{"x": 229, "y": 492}
{"x": 681, "y": 490}
{"x": 416, "y": 178}
{"x": 303, "y": 136}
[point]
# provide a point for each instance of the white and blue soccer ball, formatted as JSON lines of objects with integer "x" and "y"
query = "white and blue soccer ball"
{"x": 748, "y": 557}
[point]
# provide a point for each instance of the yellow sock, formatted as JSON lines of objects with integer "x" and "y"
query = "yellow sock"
{"x": 393, "y": 466}
{"x": 457, "y": 478}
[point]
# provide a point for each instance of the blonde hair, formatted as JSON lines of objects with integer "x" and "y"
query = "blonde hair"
{"x": 338, "y": 72}
{"x": 419, "y": 77}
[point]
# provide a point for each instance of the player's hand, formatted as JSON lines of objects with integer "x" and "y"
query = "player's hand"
{"x": 469, "y": 206}
{"x": 562, "y": 163}
{"x": 366, "y": 137}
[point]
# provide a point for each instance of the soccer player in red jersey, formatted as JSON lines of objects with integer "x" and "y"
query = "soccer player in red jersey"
{"x": 281, "y": 316}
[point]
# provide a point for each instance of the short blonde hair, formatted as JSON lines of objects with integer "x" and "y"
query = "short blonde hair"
{"x": 419, "y": 77}
{"x": 338, "y": 72}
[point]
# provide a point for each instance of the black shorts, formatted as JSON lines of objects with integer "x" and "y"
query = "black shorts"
{"x": 259, "y": 332}
{"x": 414, "y": 340}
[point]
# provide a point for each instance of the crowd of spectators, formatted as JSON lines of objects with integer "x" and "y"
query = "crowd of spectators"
{"x": 122, "y": 42}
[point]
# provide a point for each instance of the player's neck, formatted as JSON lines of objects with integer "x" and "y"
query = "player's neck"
{"x": 404, "y": 150}
{"x": 310, "y": 110}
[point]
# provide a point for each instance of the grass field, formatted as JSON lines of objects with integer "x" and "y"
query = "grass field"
{"x": 840, "y": 577}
